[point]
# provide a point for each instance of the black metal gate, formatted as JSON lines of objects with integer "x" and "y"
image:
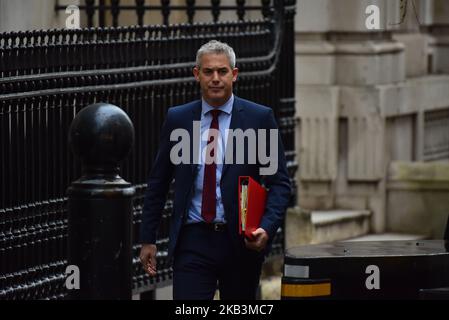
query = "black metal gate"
{"x": 48, "y": 76}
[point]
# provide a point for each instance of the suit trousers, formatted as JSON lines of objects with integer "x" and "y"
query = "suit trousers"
{"x": 206, "y": 259}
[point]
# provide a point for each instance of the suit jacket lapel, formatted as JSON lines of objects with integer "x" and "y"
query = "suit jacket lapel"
{"x": 196, "y": 116}
{"x": 237, "y": 121}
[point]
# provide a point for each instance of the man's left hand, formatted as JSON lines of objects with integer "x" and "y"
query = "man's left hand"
{"x": 259, "y": 241}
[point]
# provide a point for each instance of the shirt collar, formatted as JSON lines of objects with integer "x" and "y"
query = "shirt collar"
{"x": 227, "y": 107}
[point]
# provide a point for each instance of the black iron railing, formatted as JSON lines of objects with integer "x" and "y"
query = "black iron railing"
{"x": 49, "y": 76}
{"x": 102, "y": 10}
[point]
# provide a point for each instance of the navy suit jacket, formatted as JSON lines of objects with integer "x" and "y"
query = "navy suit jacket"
{"x": 245, "y": 115}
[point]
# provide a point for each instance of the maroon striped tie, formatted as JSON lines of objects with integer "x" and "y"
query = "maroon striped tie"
{"x": 209, "y": 198}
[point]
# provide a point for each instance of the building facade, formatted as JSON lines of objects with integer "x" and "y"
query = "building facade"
{"x": 373, "y": 105}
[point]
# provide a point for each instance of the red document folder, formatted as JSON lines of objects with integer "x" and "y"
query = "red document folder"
{"x": 252, "y": 198}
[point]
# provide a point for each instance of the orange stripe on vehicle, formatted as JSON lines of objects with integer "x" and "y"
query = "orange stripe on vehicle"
{"x": 306, "y": 290}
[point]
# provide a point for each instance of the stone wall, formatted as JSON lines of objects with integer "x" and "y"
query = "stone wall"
{"x": 418, "y": 196}
{"x": 23, "y": 15}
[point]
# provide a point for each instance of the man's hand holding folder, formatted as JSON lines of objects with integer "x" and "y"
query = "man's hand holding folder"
{"x": 252, "y": 198}
{"x": 260, "y": 238}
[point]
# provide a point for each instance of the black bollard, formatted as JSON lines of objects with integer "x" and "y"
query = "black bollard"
{"x": 368, "y": 270}
{"x": 100, "y": 204}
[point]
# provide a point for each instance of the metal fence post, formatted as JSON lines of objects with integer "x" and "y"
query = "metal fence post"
{"x": 100, "y": 204}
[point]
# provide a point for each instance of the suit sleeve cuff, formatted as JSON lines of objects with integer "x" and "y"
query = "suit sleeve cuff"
{"x": 270, "y": 229}
{"x": 147, "y": 240}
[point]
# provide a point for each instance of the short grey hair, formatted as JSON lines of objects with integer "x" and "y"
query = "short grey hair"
{"x": 216, "y": 47}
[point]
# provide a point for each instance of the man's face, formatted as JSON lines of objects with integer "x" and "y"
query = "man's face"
{"x": 216, "y": 78}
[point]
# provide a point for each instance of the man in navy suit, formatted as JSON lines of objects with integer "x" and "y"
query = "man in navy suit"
{"x": 204, "y": 235}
